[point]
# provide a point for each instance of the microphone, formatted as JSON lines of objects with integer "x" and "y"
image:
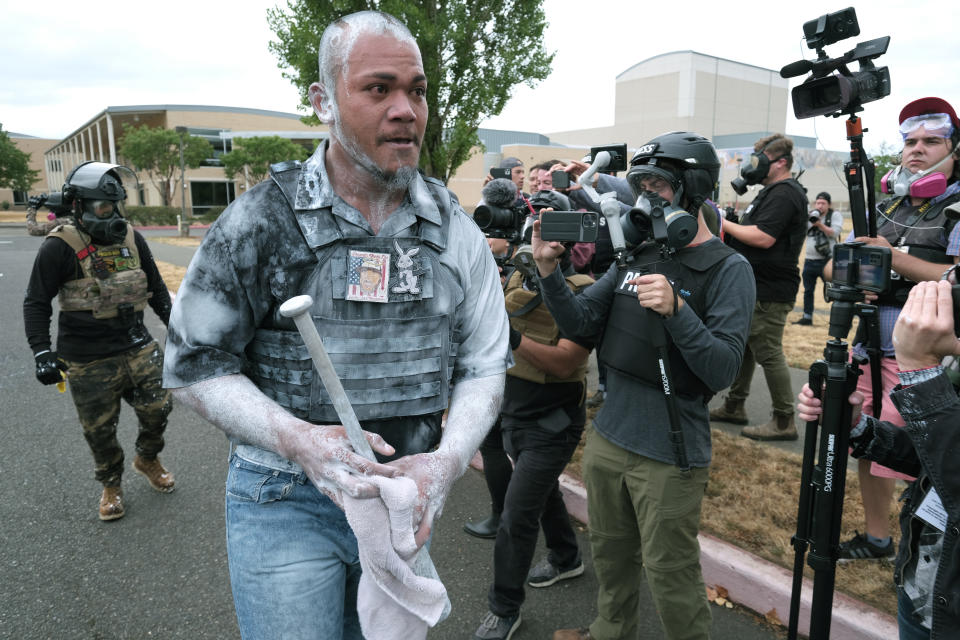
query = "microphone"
{"x": 797, "y": 68}
{"x": 499, "y": 192}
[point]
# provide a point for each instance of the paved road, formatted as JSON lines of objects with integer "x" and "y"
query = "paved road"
{"x": 160, "y": 572}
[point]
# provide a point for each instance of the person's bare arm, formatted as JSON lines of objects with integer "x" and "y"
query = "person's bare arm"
{"x": 236, "y": 406}
{"x": 559, "y": 360}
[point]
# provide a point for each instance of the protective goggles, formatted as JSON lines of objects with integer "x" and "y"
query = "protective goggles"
{"x": 935, "y": 124}
{"x": 100, "y": 208}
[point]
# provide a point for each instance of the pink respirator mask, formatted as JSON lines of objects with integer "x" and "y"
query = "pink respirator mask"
{"x": 929, "y": 183}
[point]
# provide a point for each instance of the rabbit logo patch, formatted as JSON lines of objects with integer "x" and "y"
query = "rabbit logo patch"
{"x": 407, "y": 280}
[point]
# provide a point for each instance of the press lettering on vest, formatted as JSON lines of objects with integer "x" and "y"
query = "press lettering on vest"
{"x": 630, "y": 275}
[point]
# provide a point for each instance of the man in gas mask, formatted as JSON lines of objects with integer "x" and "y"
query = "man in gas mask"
{"x": 104, "y": 275}
{"x": 646, "y": 460}
{"x": 770, "y": 235}
{"x": 925, "y": 240}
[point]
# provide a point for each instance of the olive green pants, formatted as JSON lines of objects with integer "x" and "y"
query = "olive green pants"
{"x": 97, "y": 388}
{"x": 644, "y": 514}
{"x": 765, "y": 347}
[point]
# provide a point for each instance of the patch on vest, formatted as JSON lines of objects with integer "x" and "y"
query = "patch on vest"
{"x": 408, "y": 271}
{"x": 625, "y": 288}
{"x": 368, "y": 276}
{"x": 118, "y": 259}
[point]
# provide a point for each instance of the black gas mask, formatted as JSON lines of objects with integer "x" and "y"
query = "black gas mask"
{"x": 95, "y": 193}
{"x": 656, "y": 218}
{"x": 754, "y": 170}
{"x": 103, "y": 221}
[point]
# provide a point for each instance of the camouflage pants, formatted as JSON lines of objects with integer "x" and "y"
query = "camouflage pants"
{"x": 97, "y": 388}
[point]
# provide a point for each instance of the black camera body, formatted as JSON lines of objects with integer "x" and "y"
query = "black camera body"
{"x": 569, "y": 226}
{"x": 497, "y": 172}
{"x": 501, "y": 222}
{"x": 826, "y": 93}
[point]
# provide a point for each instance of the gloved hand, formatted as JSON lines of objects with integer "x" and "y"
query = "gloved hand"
{"x": 49, "y": 367}
{"x": 35, "y": 202}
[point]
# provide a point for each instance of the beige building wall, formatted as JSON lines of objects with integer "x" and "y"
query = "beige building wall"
{"x": 689, "y": 91}
{"x": 100, "y": 138}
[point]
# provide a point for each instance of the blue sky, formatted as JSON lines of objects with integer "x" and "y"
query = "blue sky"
{"x": 62, "y": 64}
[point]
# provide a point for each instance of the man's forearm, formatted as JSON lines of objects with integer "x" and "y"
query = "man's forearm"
{"x": 749, "y": 234}
{"x": 474, "y": 407}
{"x": 242, "y": 411}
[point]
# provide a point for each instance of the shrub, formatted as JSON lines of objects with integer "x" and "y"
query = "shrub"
{"x": 5, "y": 205}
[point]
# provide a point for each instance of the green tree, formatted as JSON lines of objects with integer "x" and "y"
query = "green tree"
{"x": 15, "y": 171}
{"x": 474, "y": 54}
{"x": 252, "y": 157}
{"x": 884, "y": 160}
{"x": 157, "y": 151}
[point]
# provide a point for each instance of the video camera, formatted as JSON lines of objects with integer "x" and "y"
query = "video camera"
{"x": 52, "y": 201}
{"x": 826, "y": 93}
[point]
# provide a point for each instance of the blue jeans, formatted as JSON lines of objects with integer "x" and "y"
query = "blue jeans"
{"x": 910, "y": 628}
{"x": 294, "y": 568}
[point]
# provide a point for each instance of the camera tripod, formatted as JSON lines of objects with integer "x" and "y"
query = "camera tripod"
{"x": 822, "y": 485}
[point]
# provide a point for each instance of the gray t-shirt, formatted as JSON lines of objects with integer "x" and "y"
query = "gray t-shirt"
{"x": 237, "y": 276}
{"x": 634, "y": 415}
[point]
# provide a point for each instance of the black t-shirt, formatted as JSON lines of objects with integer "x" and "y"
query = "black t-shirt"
{"x": 81, "y": 337}
{"x": 525, "y": 401}
{"x": 781, "y": 213}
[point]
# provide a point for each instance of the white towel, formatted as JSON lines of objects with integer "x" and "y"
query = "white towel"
{"x": 400, "y": 594}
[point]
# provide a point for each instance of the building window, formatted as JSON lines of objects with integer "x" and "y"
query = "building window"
{"x": 20, "y": 198}
{"x": 206, "y": 195}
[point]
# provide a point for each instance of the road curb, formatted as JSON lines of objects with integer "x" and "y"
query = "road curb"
{"x": 755, "y": 583}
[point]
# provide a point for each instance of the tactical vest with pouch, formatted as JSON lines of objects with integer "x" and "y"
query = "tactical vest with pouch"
{"x": 626, "y": 347}
{"x": 393, "y": 346}
{"x": 538, "y": 325}
{"x": 119, "y": 281}
{"x": 923, "y": 234}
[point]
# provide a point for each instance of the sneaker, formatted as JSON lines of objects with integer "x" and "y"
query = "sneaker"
{"x": 545, "y": 573}
{"x": 803, "y": 321}
{"x": 493, "y": 627}
{"x": 859, "y": 548}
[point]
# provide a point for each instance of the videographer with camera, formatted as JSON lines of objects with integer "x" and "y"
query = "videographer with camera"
{"x": 823, "y": 230}
{"x": 927, "y": 569}
{"x": 540, "y": 425}
{"x": 769, "y": 235}
{"x": 924, "y": 241}
{"x": 52, "y": 202}
{"x": 644, "y": 491}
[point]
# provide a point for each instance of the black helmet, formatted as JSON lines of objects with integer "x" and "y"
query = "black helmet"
{"x": 686, "y": 160}
{"x": 548, "y": 198}
{"x": 94, "y": 181}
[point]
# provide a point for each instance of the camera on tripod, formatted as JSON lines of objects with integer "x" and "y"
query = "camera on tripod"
{"x": 832, "y": 89}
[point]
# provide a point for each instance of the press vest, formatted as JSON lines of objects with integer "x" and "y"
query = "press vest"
{"x": 125, "y": 281}
{"x": 626, "y": 344}
{"x": 538, "y": 325}
{"x": 391, "y": 335}
{"x": 926, "y": 240}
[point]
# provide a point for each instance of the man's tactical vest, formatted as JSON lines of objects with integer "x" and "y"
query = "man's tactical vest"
{"x": 538, "y": 325}
{"x": 395, "y": 357}
{"x": 626, "y": 347}
{"x": 923, "y": 234}
{"x": 124, "y": 282}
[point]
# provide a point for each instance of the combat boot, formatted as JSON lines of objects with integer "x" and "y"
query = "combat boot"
{"x": 111, "y": 503}
{"x": 158, "y": 477}
{"x": 731, "y": 411}
{"x": 780, "y": 427}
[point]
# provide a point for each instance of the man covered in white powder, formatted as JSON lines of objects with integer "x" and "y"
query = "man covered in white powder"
{"x": 437, "y": 338}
